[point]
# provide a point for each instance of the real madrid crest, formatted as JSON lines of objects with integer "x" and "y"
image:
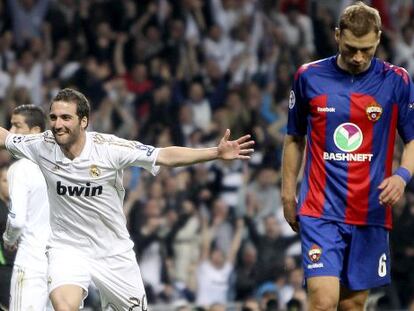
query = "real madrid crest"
{"x": 94, "y": 171}
{"x": 374, "y": 111}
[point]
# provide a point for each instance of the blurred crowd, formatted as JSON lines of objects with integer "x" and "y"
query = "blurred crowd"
{"x": 179, "y": 72}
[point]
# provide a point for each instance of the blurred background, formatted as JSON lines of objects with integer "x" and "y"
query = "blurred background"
{"x": 179, "y": 72}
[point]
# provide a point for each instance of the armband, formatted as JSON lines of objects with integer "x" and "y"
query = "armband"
{"x": 403, "y": 173}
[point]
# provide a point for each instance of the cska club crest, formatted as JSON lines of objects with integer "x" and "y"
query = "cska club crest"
{"x": 374, "y": 111}
{"x": 315, "y": 253}
{"x": 94, "y": 171}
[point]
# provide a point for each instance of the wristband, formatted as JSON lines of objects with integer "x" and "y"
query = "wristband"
{"x": 403, "y": 173}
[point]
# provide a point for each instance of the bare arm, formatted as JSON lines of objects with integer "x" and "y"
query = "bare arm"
{"x": 236, "y": 242}
{"x": 240, "y": 148}
{"x": 118, "y": 56}
{"x": 293, "y": 149}
{"x": 206, "y": 237}
{"x": 393, "y": 187}
{"x": 3, "y": 135}
{"x": 408, "y": 156}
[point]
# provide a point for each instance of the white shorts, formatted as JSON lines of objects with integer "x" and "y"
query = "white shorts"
{"x": 28, "y": 289}
{"x": 117, "y": 278}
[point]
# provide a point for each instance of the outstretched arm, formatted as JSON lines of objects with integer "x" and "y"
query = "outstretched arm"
{"x": 393, "y": 187}
{"x": 240, "y": 148}
{"x": 3, "y": 135}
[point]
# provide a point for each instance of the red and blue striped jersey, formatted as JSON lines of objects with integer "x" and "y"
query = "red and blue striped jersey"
{"x": 350, "y": 122}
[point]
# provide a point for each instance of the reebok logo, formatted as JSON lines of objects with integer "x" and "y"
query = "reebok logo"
{"x": 326, "y": 109}
{"x": 86, "y": 191}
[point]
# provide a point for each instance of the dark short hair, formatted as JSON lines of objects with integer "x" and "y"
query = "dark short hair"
{"x": 72, "y": 96}
{"x": 33, "y": 116}
{"x": 360, "y": 19}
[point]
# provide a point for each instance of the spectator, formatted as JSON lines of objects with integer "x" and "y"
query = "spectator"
{"x": 149, "y": 248}
{"x": 222, "y": 234}
{"x": 271, "y": 247}
{"x": 27, "y": 18}
{"x": 29, "y": 75}
{"x": 264, "y": 188}
{"x": 245, "y": 274}
{"x": 404, "y": 48}
{"x": 200, "y": 107}
{"x": 267, "y": 295}
{"x": 182, "y": 242}
{"x": 214, "y": 268}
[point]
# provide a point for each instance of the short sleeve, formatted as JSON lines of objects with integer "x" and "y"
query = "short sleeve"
{"x": 406, "y": 109}
{"x": 24, "y": 146}
{"x": 141, "y": 155}
{"x": 126, "y": 153}
{"x": 298, "y": 108}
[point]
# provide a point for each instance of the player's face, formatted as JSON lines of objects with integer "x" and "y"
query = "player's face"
{"x": 356, "y": 53}
{"x": 65, "y": 123}
{"x": 19, "y": 125}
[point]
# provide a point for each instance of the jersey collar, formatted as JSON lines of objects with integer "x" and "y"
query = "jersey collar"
{"x": 334, "y": 60}
{"x": 85, "y": 154}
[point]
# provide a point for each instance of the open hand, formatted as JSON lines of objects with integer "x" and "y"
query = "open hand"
{"x": 240, "y": 148}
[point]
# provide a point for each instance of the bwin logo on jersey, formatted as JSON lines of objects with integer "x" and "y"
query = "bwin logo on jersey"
{"x": 86, "y": 191}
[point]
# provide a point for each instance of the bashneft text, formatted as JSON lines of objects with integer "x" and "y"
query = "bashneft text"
{"x": 349, "y": 157}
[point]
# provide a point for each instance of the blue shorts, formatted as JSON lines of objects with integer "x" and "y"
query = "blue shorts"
{"x": 358, "y": 255}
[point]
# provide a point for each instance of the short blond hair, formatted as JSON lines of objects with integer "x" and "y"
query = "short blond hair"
{"x": 360, "y": 19}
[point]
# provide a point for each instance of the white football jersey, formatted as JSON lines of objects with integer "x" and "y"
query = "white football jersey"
{"x": 86, "y": 194}
{"x": 29, "y": 213}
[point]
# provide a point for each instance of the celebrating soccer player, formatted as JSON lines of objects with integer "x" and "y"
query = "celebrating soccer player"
{"x": 83, "y": 170}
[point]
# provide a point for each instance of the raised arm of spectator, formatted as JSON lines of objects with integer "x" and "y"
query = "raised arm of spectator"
{"x": 206, "y": 237}
{"x": 136, "y": 29}
{"x": 189, "y": 63}
{"x": 47, "y": 42}
{"x": 236, "y": 242}
{"x": 240, "y": 148}
{"x": 197, "y": 9}
{"x": 120, "y": 68}
{"x": 251, "y": 227}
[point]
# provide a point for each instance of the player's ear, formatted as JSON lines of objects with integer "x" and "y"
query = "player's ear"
{"x": 337, "y": 34}
{"x": 84, "y": 122}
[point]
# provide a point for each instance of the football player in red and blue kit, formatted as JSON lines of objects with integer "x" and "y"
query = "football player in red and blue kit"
{"x": 346, "y": 110}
